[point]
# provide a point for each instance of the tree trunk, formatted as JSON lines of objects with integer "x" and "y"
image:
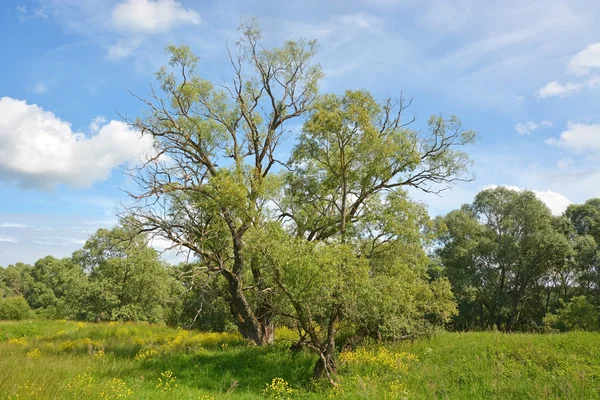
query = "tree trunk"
{"x": 256, "y": 327}
{"x": 325, "y": 365}
{"x": 264, "y": 311}
{"x": 243, "y": 315}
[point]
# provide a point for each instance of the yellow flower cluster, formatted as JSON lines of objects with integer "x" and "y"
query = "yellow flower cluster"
{"x": 26, "y": 391}
{"x": 185, "y": 340}
{"x": 93, "y": 346}
{"x": 115, "y": 389}
{"x": 22, "y": 341}
{"x": 146, "y": 354}
{"x": 166, "y": 381}
{"x": 278, "y": 389}
{"x": 34, "y": 354}
{"x": 397, "y": 391}
{"x": 81, "y": 384}
{"x": 206, "y": 397}
{"x": 380, "y": 357}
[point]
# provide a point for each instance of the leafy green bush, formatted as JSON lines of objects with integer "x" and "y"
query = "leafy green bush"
{"x": 14, "y": 308}
{"x": 578, "y": 314}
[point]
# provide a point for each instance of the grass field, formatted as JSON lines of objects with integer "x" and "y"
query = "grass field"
{"x": 68, "y": 360}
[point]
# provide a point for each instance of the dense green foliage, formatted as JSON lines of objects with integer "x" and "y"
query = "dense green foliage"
{"x": 14, "y": 308}
{"x": 68, "y": 360}
{"x": 514, "y": 266}
{"x": 113, "y": 278}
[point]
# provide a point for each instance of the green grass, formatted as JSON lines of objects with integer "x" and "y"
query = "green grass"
{"x": 70, "y": 365}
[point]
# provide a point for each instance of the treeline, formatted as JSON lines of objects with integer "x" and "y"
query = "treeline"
{"x": 514, "y": 266}
{"x": 511, "y": 263}
{"x": 116, "y": 276}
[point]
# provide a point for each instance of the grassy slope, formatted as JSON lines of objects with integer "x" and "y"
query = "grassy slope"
{"x": 451, "y": 365}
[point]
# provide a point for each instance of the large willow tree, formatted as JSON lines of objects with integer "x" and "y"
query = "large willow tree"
{"x": 217, "y": 149}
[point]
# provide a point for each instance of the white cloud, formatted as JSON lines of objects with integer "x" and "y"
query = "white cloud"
{"x": 525, "y": 128}
{"x": 580, "y": 138}
{"x": 580, "y": 64}
{"x": 123, "y": 48}
{"x": 148, "y": 16}
{"x": 96, "y": 124}
{"x": 564, "y": 163}
{"x": 39, "y": 88}
{"x": 593, "y": 82}
{"x": 555, "y": 88}
{"x": 556, "y": 202}
{"x": 8, "y": 239}
{"x": 37, "y": 149}
{"x": 585, "y": 60}
{"x": 24, "y": 14}
{"x": 12, "y": 225}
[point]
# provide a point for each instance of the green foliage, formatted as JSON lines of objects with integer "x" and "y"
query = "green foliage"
{"x": 58, "y": 289}
{"x": 496, "y": 253}
{"x": 116, "y": 276}
{"x": 127, "y": 280}
{"x": 577, "y": 314}
{"x": 14, "y": 308}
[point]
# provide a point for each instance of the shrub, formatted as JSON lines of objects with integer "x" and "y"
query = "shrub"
{"x": 14, "y": 308}
{"x": 578, "y": 314}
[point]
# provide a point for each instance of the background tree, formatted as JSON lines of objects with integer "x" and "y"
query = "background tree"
{"x": 127, "y": 279}
{"x": 497, "y": 253}
{"x": 577, "y": 314}
{"x": 585, "y": 220}
{"x": 213, "y": 175}
{"x": 59, "y": 287}
{"x": 16, "y": 280}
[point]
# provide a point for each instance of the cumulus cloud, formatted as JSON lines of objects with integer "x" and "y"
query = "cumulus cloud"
{"x": 525, "y": 128}
{"x": 556, "y": 202}
{"x": 39, "y": 150}
{"x": 580, "y": 138}
{"x": 96, "y": 124}
{"x": 585, "y": 60}
{"x": 555, "y": 88}
{"x": 148, "y": 16}
{"x": 580, "y": 64}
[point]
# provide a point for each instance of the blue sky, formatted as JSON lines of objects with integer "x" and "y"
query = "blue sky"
{"x": 524, "y": 75}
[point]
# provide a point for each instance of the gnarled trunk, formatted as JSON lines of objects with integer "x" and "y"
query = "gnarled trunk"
{"x": 249, "y": 326}
{"x": 325, "y": 366}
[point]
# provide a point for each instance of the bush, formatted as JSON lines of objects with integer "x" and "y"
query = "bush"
{"x": 578, "y": 314}
{"x": 14, "y": 308}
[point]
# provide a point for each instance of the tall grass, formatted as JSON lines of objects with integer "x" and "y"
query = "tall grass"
{"x": 68, "y": 360}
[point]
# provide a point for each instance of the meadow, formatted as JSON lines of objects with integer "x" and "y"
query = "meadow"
{"x": 75, "y": 360}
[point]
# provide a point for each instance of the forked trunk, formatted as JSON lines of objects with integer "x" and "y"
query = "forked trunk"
{"x": 325, "y": 366}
